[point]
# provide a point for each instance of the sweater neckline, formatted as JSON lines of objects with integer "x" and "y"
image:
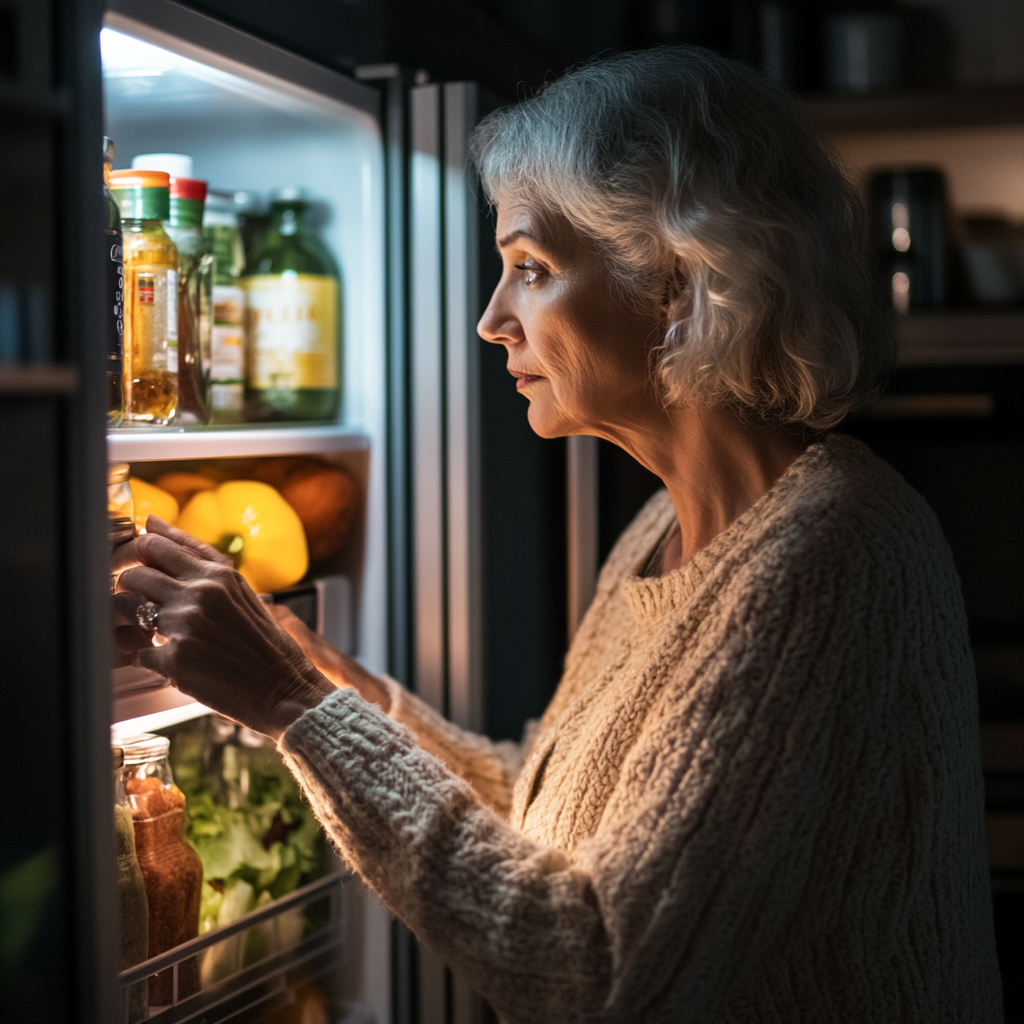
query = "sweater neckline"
{"x": 652, "y": 596}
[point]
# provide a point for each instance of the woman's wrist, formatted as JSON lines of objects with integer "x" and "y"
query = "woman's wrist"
{"x": 308, "y": 691}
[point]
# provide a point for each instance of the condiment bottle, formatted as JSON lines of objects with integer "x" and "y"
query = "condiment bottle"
{"x": 227, "y": 346}
{"x": 113, "y": 295}
{"x": 151, "y": 297}
{"x": 171, "y": 868}
{"x": 131, "y": 891}
{"x": 293, "y": 295}
{"x": 195, "y": 298}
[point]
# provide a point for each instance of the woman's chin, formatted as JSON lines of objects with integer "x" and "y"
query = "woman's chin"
{"x": 547, "y": 422}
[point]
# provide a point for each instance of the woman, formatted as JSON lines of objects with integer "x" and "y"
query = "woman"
{"x": 756, "y": 793}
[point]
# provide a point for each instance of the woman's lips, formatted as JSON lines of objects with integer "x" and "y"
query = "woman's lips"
{"x": 524, "y": 380}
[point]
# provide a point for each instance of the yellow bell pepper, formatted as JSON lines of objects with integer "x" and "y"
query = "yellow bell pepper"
{"x": 253, "y": 524}
{"x": 151, "y": 500}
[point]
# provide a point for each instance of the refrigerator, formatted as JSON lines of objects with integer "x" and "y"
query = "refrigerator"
{"x": 383, "y": 155}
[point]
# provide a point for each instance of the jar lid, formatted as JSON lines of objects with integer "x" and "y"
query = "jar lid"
{"x": 188, "y": 196}
{"x": 117, "y": 472}
{"x": 144, "y": 747}
{"x": 176, "y": 164}
{"x": 117, "y": 757}
{"x": 142, "y": 195}
{"x": 122, "y": 528}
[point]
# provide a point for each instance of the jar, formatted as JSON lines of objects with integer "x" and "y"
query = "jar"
{"x": 120, "y": 509}
{"x": 131, "y": 891}
{"x": 170, "y": 867}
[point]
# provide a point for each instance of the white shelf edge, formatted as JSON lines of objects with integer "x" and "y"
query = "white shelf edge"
{"x": 158, "y": 445}
{"x": 181, "y": 709}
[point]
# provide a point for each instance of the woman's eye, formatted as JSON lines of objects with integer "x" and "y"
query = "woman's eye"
{"x": 531, "y": 271}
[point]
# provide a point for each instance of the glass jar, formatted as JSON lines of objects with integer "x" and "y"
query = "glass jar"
{"x": 131, "y": 891}
{"x": 120, "y": 508}
{"x": 151, "y": 297}
{"x": 170, "y": 867}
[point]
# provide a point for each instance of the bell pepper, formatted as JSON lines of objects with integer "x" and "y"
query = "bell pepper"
{"x": 252, "y": 523}
{"x": 151, "y": 500}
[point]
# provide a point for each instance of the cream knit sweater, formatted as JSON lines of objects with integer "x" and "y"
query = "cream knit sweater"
{"x": 755, "y": 797}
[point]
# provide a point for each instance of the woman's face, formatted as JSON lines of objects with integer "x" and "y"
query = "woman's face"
{"x": 578, "y": 349}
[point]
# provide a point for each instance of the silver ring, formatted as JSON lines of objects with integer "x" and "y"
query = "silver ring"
{"x": 147, "y": 615}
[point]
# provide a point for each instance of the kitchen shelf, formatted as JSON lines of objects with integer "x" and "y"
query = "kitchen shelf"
{"x": 268, "y": 982}
{"x": 909, "y": 109}
{"x": 962, "y": 338}
{"x": 145, "y": 702}
{"x": 157, "y": 444}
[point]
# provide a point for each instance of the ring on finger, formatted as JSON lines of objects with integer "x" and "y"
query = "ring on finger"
{"x": 147, "y": 615}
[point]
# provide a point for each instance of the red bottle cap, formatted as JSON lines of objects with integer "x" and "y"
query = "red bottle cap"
{"x": 188, "y": 188}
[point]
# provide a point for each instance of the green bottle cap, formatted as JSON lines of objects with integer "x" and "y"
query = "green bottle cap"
{"x": 142, "y": 195}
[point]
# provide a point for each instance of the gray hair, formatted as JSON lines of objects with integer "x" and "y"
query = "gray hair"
{"x": 680, "y": 164}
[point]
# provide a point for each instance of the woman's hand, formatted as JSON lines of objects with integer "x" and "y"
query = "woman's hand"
{"x": 214, "y": 639}
{"x": 340, "y": 669}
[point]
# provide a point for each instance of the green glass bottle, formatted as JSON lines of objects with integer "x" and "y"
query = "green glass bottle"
{"x": 293, "y": 317}
{"x": 113, "y": 305}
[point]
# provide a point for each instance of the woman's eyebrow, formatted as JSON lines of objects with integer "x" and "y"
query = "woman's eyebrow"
{"x": 513, "y": 235}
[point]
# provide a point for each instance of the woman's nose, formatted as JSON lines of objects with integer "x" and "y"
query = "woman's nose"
{"x": 498, "y": 323}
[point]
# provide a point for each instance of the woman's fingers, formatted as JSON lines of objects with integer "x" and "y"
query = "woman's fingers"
{"x": 149, "y": 584}
{"x": 161, "y": 553}
{"x": 204, "y": 551}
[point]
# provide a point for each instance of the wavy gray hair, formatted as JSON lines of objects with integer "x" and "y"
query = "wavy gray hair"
{"x": 683, "y": 165}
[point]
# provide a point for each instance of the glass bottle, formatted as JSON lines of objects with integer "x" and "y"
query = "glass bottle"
{"x": 293, "y": 298}
{"x": 227, "y": 347}
{"x": 151, "y": 291}
{"x": 131, "y": 891}
{"x": 195, "y": 298}
{"x": 113, "y": 296}
{"x": 170, "y": 867}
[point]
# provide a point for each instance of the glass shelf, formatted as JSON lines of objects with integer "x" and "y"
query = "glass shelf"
{"x": 156, "y": 444}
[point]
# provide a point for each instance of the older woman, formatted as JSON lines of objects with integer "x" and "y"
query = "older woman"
{"x": 756, "y": 793}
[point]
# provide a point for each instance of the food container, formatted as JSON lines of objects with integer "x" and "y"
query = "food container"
{"x": 131, "y": 892}
{"x": 170, "y": 867}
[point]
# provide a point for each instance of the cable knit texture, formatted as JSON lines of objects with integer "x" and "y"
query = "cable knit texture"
{"x": 756, "y": 795}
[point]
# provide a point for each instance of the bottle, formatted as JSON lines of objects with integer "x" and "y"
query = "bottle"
{"x": 293, "y": 298}
{"x": 195, "y": 281}
{"x": 170, "y": 867}
{"x": 113, "y": 305}
{"x": 151, "y": 297}
{"x": 195, "y": 298}
{"x": 131, "y": 892}
{"x": 227, "y": 347}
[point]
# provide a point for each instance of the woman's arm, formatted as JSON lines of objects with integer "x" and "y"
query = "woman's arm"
{"x": 490, "y": 768}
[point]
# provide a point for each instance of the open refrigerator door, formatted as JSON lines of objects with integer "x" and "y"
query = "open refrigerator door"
{"x": 285, "y": 934}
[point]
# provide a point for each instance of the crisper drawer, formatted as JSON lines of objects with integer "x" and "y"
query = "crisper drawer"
{"x": 255, "y": 965}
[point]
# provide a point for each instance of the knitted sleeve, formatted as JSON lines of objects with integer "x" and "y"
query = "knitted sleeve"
{"x": 490, "y": 768}
{"x": 704, "y": 851}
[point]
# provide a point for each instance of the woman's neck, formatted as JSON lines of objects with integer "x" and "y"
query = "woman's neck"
{"x": 714, "y": 466}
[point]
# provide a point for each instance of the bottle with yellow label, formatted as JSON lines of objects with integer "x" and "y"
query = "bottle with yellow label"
{"x": 151, "y": 297}
{"x": 293, "y": 320}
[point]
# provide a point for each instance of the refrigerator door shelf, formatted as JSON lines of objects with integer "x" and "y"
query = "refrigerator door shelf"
{"x": 157, "y": 445}
{"x": 154, "y": 704}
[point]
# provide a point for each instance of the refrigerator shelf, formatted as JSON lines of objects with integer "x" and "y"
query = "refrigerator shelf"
{"x": 167, "y": 443}
{"x": 269, "y": 981}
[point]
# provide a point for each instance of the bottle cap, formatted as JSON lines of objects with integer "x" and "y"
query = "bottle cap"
{"x": 289, "y": 194}
{"x": 142, "y": 194}
{"x": 220, "y": 210}
{"x": 177, "y": 165}
{"x": 144, "y": 746}
{"x": 187, "y": 198}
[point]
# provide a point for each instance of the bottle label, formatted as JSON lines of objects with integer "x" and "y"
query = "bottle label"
{"x": 147, "y": 289}
{"x": 293, "y": 331}
{"x": 228, "y": 354}
{"x": 172, "y": 313}
{"x": 228, "y": 304}
{"x": 115, "y": 297}
{"x": 227, "y": 397}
